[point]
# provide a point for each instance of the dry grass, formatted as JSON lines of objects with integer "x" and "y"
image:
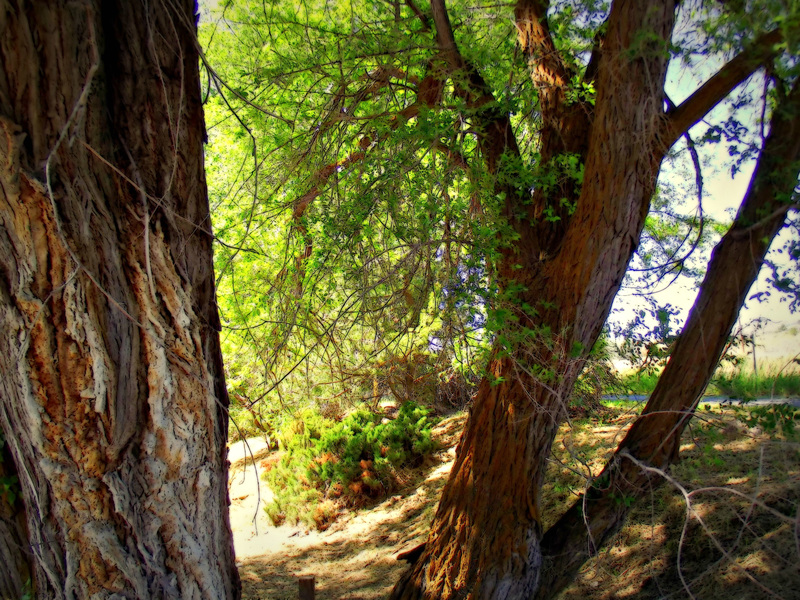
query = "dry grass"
{"x": 729, "y": 547}
{"x": 739, "y": 538}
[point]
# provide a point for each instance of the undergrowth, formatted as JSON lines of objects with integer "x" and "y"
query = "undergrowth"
{"x": 736, "y": 539}
{"x": 740, "y": 384}
{"x": 328, "y": 465}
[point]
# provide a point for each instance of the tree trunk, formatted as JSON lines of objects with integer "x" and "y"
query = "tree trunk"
{"x": 486, "y": 531}
{"x": 113, "y": 401}
{"x": 655, "y": 436}
{"x": 485, "y": 539}
{"x": 14, "y": 554}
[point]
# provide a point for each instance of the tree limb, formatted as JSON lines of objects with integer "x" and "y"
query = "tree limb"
{"x": 424, "y": 19}
{"x": 597, "y": 52}
{"x": 713, "y": 91}
{"x": 654, "y": 438}
{"x": 549, "y": 72}
{"x": 564, "y": 125}
{"x": 496, "y": 136}
{"x": 444, "y": 32}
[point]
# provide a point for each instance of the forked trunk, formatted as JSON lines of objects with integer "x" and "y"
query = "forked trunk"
{"x": 654, "y": 438}
{"x": 485, "y": 539}
{"x": 113, "y": 402}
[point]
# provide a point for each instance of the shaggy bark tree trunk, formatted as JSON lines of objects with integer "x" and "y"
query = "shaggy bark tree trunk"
{"x": 113, "y": 401}
{"x": 654, "y": 438}
{"x": 486, "y": 535}
{"x": 560, "y": 274}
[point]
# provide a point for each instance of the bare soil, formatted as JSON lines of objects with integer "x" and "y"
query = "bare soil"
{"x": 740, "y": 537}
{"x": 356, "y": 557}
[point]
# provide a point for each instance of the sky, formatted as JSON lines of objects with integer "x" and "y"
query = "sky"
{"x": 774, "y": 327}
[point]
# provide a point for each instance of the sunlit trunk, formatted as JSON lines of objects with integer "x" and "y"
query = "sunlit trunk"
{"x": 113, "y": 401}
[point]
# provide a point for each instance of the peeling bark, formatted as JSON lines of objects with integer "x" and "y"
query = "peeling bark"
{"x": 114, "y": 402}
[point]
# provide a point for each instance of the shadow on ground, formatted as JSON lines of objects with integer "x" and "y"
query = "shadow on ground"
{"x": 356, "y": 558}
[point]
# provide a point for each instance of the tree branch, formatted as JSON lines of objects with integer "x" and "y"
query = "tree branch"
{"x": 564, "y": 126}
{"x": 444, "y": 33}
{"x": 549, "y": 72}
{"x": 597, "y": 52}
{"x": 713, "y": 91}
{"x": 655, "y": 436}
{"x": 496, "y": 136}
{"x": 424, "y": 19}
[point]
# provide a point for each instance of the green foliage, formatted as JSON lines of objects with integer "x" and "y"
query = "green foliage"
{"x": 636, "y": 383}
{"x": 27, "y": 591}
{"x": 347, "y": 243}
{"x": 9, "y": 488}
{"x": 359, "y": 225}
{"x": 349, "y": 236}
{"x": 646, "y": 340}
{"x": 773, "y": 419}
{"x": 328, "y": 464}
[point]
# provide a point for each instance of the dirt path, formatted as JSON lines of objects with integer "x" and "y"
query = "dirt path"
{"x": 356, "y": 557}
{"x": 746, "y": 488}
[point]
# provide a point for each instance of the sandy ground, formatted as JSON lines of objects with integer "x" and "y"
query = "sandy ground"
{"x": 356, "y": 558}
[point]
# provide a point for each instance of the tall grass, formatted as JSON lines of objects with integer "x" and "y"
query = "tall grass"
{"x": 773, "y": 380}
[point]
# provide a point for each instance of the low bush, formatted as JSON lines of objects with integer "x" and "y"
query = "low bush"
{"x": 327, "y": 464}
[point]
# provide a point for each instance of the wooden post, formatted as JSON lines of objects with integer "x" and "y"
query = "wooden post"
{"x": 307, "y": 587}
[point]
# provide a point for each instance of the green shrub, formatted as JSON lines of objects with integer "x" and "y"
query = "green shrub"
{"x": 327, "y": 464}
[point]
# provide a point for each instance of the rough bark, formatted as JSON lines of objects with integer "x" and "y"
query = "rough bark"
{"x": 14, "y": 554}
{"x": 486, "y": 535}
{"x": 114, "y": 401}
{"x": 654, "y": 438}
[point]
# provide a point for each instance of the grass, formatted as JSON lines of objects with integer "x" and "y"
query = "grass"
{"x": 632, "y": 406}
{"x": 737, "y": 538}
{"x": 745, "y": 384}
{"x": 773, "y": 380}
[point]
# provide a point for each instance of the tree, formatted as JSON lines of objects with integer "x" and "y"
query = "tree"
{"x": 621, "y": 165}
{"x": 556, "y": 128}
{"x": 113, "y": 404}
{"x": 654, "y": 438}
